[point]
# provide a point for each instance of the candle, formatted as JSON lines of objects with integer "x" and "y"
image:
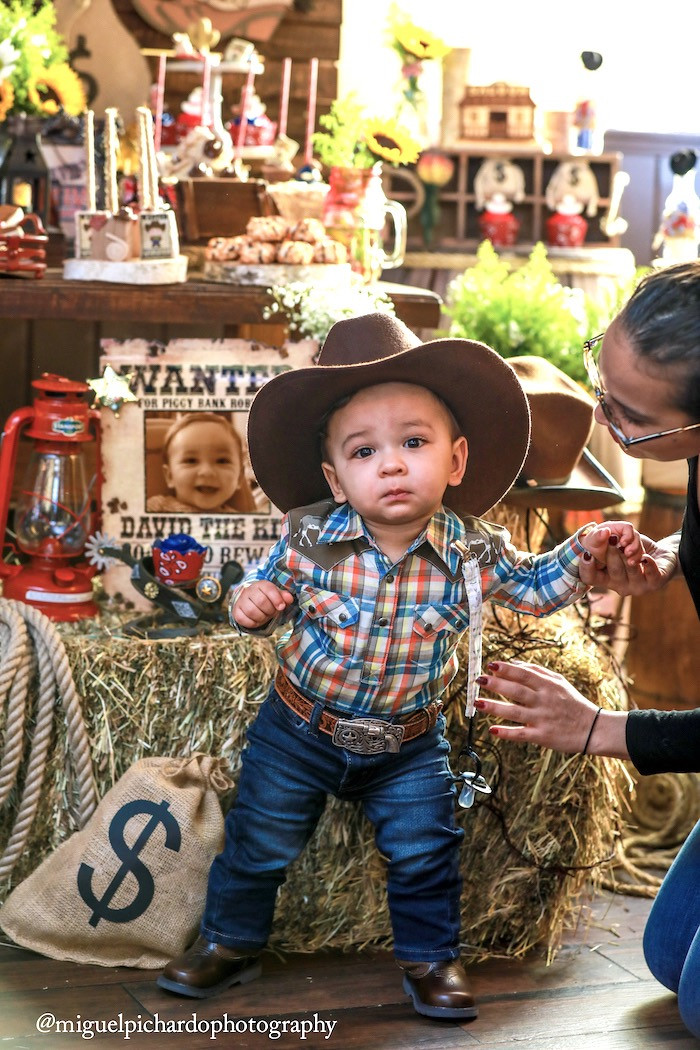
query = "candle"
{"x": 111, "y": 144}
{"x": 144, "y": 181}
{"x": 284, "y": 96}
{"x": 311, "y": 109}
{"x": 243, "y": 115}
{"x": 90, "y": 160}
{"x": 147, "y": 160}
{"x": 151, "y": 161}
{"x": 160, "y": 96}
{"x": 205, "y": 118}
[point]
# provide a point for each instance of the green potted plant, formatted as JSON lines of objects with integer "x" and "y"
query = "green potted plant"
{"x": 526, "y": 311}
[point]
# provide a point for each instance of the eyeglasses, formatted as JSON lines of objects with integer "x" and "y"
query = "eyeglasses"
{"x": 596, "y": 382}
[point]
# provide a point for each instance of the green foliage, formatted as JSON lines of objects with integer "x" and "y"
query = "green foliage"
{"x": 525, "y": 311}
{"x": 29, "y": 43}
{"x": 311, "y": 310}
{"x": 340, "y": 145}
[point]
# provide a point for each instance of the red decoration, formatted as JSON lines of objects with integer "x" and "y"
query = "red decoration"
{"x": 22, "y": 243}
{"x": 566, "y": 231}
{"x": 178, "y": 568}
{"x": 243, "y": 115}
{"x": 284, "y": 95}
{"x": 501, "y": 228}
{"x": 311, "y": 110}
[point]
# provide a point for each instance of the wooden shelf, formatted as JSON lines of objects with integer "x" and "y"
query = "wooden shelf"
{"x": 458, "y": 225}
{"x": 192, "y": 64}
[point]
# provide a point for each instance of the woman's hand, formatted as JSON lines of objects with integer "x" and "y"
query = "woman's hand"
{"x": 612, "y": 568}
{"x": 549, "y": 711}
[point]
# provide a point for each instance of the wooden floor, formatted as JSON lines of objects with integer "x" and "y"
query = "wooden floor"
{"x": 596, "y": 995}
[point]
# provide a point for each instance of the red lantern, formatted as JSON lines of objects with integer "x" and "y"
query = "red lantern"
{"x": 56, "y": 508}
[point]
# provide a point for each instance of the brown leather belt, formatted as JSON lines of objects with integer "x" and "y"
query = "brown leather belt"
{"x": 365, "y": 736}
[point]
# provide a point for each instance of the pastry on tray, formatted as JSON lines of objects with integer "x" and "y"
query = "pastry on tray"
{"x": 257, "y": 252}
{"x": 311, "y": 230}
{"x": 295, "y": 253}
{"x": 330, "y": 251}
{"x": 267, "y": 228}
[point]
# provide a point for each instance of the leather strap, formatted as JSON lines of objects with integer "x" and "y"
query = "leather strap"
{"x": 415, "y": 724}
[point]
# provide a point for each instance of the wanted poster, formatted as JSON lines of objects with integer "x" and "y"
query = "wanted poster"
{"x": 176, "y": 458}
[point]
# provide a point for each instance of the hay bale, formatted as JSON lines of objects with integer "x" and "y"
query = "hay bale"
{"x": 551, "y": 828}
{"x": 554, "y": 819}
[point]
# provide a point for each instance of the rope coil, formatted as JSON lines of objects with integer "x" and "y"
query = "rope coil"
{"x": 29, "y": 640}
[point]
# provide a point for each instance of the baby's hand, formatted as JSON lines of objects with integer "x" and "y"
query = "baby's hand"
{"x": 619, "y": 534}
{"x": 259, "y": 602}
{"x": 651, "y": 572}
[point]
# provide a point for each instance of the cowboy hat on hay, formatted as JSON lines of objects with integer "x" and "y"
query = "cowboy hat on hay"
{"x": 478, "y": 386}
{"x": 559, "y": 471}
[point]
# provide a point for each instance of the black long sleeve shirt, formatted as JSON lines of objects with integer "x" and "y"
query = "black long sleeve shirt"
{"x": 689, "y": 550}
{"x": 669, "y": 741}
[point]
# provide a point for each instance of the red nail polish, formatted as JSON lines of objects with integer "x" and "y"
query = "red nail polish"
{"x": 613, "y": 541}
{"x": 482, "y": 679}
{"x": 493, "y": 666}
{"x": 479, "y": 705}
{"x": 586, "y": 555}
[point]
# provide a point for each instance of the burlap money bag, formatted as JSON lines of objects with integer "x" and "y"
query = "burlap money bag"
{"x": 128, "y": 889}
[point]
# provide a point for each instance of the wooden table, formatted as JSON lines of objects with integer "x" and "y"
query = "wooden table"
{"x": 53, "y": 325}
{"x": 194, "y": 301}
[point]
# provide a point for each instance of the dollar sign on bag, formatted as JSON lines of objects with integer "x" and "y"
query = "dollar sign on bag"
{"x": 129, "y": 856}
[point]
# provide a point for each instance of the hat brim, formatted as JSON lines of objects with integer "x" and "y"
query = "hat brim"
{"x": 481, "y": 389}
{"x": 590, "y": 487}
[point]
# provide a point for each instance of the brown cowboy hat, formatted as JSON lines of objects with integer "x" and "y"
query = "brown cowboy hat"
{"x": 559, "y": 471}
{"x": 479, "y": 387}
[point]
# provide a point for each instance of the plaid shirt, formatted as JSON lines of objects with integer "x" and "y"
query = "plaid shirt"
{"x": 371, "y": 637}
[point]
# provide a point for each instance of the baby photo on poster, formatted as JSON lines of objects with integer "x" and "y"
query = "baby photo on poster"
{"x": 198, "y": 462}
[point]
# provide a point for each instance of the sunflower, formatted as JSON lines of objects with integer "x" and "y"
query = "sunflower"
{"x": 391, "y": 142}
{"x": 7, "y": 98}
{"x": 388, "y": 140}
{"x": 57, "y": 87}
{"x": 416, "y": 41}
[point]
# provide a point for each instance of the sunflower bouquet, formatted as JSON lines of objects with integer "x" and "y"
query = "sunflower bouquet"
{"x": 414, "y": 45}
{"x": 35, "y": 78}
{"x": 354, "y": 140}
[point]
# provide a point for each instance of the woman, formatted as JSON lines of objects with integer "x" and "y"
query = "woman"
{"x": 646, "y": 379}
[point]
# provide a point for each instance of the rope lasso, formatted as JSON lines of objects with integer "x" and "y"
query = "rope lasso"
{"x": 28, "y": 639}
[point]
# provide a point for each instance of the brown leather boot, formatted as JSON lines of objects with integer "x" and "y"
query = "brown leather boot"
{"x": 439, "y": 989}
{"x": 208, "y": 968}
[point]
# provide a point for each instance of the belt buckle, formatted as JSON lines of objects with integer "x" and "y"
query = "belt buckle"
{"x": 368, "y": 736}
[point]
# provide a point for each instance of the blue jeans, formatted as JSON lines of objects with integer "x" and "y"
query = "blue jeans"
{"x": 672, "y": 934}
{"x": 288, "y": 770}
